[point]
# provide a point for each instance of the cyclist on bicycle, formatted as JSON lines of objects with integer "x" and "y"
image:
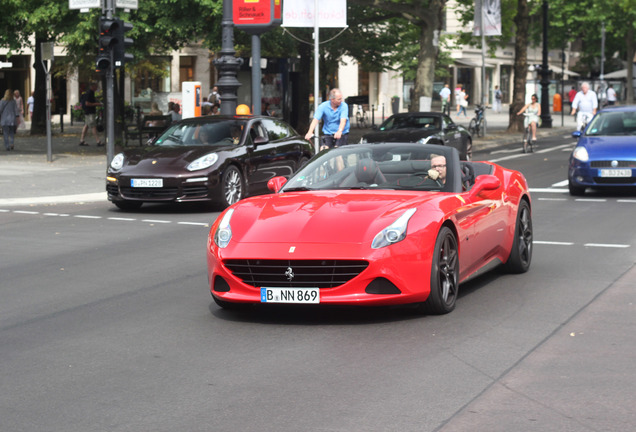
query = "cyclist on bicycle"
{"x": 532, "y": 119}
{"x": 584, "y": 105}
{"x": 335, "y": 116}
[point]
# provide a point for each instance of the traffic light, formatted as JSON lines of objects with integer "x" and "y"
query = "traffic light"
{"x": 106, "y": 43}
{"x": 122, "y": 42}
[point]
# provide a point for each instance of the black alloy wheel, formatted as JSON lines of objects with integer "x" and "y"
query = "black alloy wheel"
{"x": 521, "y": 253}
{"x": 444, "y": 275}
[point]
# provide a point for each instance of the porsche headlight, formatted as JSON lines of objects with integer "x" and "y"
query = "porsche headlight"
{"x": 580, "y": 153}
{"x": 203, "y": 162}
{"x": 117, "y": 162}
{"x": 223, "y": 233}
{"x": 395, "y": 232}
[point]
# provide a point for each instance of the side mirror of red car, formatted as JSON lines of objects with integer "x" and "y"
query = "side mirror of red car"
{"x": 484, "y": 183}
{"x": 275, "y": 184}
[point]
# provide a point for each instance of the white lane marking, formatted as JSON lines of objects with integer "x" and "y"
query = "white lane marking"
{"x": 4, "y": 211}
{"x": 560, "y": 184}
{"x": 626, "y": 201}
{"x": 505, "y": 151}
{"x": 87, "y": 217}
{"x": 194, "y": 223}
{"x": 156, "y": 221}
{"x": 516, "y": 156}
{"x": 26, "y": 212}
{"x": 606, "y": 245}
{"x": 591, "y": 199}
{"x": 89, "y": 197}
{"x": 552, "y": 199}
{"x": 553, "y": 243}
{"x": 121, "y": 219}
{"x": 547, "y": 150}
{"x": 548, "y": 190}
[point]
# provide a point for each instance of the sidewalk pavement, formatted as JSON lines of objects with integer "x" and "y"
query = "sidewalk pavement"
{"x": 77, "y": 174}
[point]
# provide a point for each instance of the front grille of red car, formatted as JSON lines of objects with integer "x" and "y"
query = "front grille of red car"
{"x": 295, "y": 273}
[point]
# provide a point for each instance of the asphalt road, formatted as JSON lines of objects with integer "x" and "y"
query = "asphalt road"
{"x": 107, "y": 324}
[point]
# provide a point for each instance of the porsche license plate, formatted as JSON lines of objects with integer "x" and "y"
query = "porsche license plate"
{"x": 615, "y": 173}
{"x": 290, "y": 295}
{"x": 146, "y": 183}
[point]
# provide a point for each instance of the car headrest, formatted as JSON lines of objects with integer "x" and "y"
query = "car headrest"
{"x": 366, "y": 170}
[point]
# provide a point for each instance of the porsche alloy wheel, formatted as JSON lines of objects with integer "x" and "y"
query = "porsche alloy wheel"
{"x": 521, "y": 253}
{"x": 444, "y": 275}
{"x": 233, "y": 189}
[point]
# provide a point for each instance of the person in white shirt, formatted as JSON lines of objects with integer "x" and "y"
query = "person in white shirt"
{"x": 444, "y": 94}
{"x": 611, "y": 95}
{"x": 30, "y": 103}
{"x": 584, "y": 105}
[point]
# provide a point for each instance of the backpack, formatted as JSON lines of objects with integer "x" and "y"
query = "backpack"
{"x": 498, "y": 94}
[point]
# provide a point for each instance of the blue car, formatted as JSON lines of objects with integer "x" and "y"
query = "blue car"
{"x": 605, "y": 155}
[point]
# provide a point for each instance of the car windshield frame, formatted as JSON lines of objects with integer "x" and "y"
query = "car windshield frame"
{"x": 221, "y": 132}
{"x": 400, "y": 167}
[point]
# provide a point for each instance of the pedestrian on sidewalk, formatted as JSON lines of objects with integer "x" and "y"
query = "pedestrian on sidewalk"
{"x": 498, "y": 97}
{"x": 463, "y": 103}
{"x": 89, "y": 105}
{"x": 8, "y": 118}
{"x": 30, "y": 103}
{"x": 20, "y": 104}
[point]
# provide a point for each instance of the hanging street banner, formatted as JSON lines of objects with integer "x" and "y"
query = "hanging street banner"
{"x": 492, "y": 17}
{"x": 84, "y": 4}
{"x": 300, "y": 13}
{"x": 256, "y": 16}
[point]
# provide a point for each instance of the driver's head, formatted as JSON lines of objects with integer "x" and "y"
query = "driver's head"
{"x": 438, "y": 163}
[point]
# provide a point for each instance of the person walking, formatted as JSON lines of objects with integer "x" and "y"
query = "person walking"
{"x": 9, "y": 116}
{"x": 30, "y": 103}
{"x": 462, "y": 103}
{"x": 584, "y": 105}
{"x": 20, "y": 104}
{"x": 89, "y": 105}
{"x": 498, "y": 99}
{"x": 611, "y": 95}
{"x": 334, "y": 114}
{"x": 444, "y": 95}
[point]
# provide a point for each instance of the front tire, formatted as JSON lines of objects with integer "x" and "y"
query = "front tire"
{"x": 232, "y": 186}
{"x": 472, "y": 127}
{"x": 444, "y": 275}
{"x": 575, "y": 190}
{"x": 521, "y": 252}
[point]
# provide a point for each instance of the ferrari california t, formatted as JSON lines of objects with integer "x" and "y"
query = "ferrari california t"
{"x": 423, "y": 128}
{"x": 381, "y": 224}
{"x": 605, "y": 155}
{"x": 219, "y": 159}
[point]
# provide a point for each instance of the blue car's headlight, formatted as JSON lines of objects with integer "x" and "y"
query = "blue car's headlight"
{"x": 395, "y": 232}
{"x": 580, "y": 153}
{"x": 223, "y": 233}
{"x": 117, "y": 162}
{"x": 203, "y": 162}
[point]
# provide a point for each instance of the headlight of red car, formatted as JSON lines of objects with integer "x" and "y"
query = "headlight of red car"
{"x": 223, "y": 233}
{"x": 396, "y": 232}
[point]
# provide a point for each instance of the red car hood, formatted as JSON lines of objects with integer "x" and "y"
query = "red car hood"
{"x": 323, "y": 217}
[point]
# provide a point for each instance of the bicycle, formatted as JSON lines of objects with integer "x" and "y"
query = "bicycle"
{"x": 583, "y": 118}
{"x": 527, "y": 136}
{"x": 477, "y": 124}
{"x": 361, "y": 118}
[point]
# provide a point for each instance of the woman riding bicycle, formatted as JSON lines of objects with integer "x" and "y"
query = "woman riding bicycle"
{"x": 534, "y": 111}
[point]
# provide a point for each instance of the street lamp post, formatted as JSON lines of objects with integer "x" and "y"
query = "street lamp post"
{"x": 228, "y": 64}
{"x": 546, "y": 118}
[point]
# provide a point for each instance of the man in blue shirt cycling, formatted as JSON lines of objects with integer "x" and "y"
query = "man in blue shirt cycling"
{"x": 334, "y": 114}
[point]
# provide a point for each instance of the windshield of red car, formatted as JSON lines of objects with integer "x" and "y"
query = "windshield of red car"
{"x": 203, "y": 134}
{"x": 414, "y": 167}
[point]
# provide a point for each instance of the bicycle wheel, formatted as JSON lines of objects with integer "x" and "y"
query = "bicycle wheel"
{"x": 481, "y": 128}
{"x": 472, "y": 127}
{"x": 526, "y": 139}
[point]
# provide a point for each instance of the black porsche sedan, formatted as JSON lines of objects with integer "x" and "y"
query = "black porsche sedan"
{"x": 423, "y": 128}
{"x": 218, "y": 159}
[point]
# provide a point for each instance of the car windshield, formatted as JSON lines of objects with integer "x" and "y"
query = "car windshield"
{"x": 203, "y": 133}
{"x": 406, "y": 122}
{"x": 392, "y": 167}
{"x": 613, "y": 123}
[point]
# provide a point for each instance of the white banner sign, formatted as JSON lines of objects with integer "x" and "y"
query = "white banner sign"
{"x": 300, "y": 13}
{"x": 492, "y": 17}
{"x": 127, "y": 4}
{"x": 84, "y": 4}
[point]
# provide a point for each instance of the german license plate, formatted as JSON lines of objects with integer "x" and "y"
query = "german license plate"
{"x": 290, "y": 295}
{"x": 146, "y": 183}
{"x": 615, "y": 173}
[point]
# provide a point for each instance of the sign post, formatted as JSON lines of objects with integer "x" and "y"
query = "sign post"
{"x": 46, "y": 49}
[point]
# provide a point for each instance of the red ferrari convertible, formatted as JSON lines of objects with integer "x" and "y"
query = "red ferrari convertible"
{"x": 380, "y": 224}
